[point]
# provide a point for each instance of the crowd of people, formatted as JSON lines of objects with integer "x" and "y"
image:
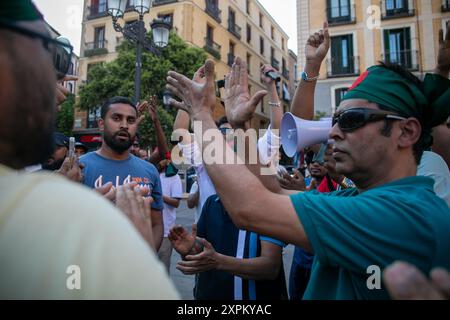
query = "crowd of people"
{"x": 379, "y": 195}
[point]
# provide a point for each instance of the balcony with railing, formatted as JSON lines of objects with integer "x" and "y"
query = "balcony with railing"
{"x": 343, "y": 67}
{"x": 212, "y": 48}
{"x": 97, "y": 11}
{"x": 388, "y": 11}
{"x": 285, "y": 73}
{"x": 275, "y": 63}
{"x": 213, "y": 10}
{"x": 95, "y": 48}
{"x": 230, "y": 59}
{"x": 234, "y": 29}
{"x": 408, "y": 59}
{"x": 162, "y": 2}
{"x": 341, "y": 15}
{"x": 445, "y": 6}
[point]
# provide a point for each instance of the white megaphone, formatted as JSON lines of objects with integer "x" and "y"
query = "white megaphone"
{"x": 297, "y": 133}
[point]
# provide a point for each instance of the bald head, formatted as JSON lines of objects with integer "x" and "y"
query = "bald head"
{"x": 27, "y": 98}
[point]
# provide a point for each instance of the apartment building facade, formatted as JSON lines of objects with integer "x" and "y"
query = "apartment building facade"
{"x": 225, "y": 29}
{"x": 364, "y": 32}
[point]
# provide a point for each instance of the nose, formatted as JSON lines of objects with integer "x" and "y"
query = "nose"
{"x": 124, "y": 124}
{"x": 336, "y": 133}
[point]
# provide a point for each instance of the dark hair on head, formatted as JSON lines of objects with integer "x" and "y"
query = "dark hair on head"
{"x": 401, "y": 71}
{"x": 222, "y": 121}
{"x": 115, "y": 100}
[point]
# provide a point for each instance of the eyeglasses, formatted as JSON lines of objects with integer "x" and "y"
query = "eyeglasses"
{"x": 352, "y": 119}
{"x": 59, "y": 49}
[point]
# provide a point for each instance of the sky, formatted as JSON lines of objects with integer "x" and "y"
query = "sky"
{"x": 66, "y": 16}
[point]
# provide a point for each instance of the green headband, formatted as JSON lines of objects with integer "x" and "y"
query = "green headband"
{"x": 19, "y": 10}
{"x": 430, "y": 105}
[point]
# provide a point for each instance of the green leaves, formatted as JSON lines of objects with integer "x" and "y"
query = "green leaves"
{"x": 116, "y": 78}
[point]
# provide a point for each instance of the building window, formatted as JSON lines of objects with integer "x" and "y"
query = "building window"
{"x": 261, "y": 45}
{"x": 99, "y": 37}
{"x": 397, "y": 48}
{"x": 92, "y": 117}
{"x": 396, "y": 8}
{"x": 339, "y": 95}
{"x": 247, "y": 6}
{"x": 232, "y": 26}
{"x": 272, "y": 32}
{"x": 249, "y": 61}
{"x": 249, "y": 33}
{"x": 261, "y": 17}
{"x": 212, "y": 8}
{"x": 168, "y": 18}
{"x": 338, "y": 10}
{"x": 282, "y": 44}
{"x": 342, "y": 59}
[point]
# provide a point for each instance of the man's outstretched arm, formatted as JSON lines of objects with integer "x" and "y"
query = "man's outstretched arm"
{"x": 249, "y": 203}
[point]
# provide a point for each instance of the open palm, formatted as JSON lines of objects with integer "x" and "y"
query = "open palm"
{"x": 182, "y": 241}
{"x": 239, "y": 107}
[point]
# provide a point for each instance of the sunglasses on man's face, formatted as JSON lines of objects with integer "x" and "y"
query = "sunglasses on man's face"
{"x": 59, "y": 49}
{"x": 352, "y": 119}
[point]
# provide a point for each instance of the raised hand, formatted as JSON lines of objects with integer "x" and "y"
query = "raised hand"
{"x": 129, "y": 199}
{"x": 61, "y": 91}
{"x": 443, "y": 64}
{"x": 182, "y": 241}
{"x": 150, "y": 107}
{"x": 317, "y": 46}
{"x": 239, "y": 107}
{"x": 198, "y": 98}
{"x": 207, "y": 260}
{"x": 406, "y": 282}
{"x": 72, "y": 169}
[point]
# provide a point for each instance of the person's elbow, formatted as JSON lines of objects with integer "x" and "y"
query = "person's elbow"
{"x": 176, "y": 203}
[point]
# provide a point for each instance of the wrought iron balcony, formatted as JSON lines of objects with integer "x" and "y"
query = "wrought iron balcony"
{"x": 275, "y": 63}
{"x": 408, "y": 59}
{"x": 161, "y": 2}
{"x": 95, "y": 48}
{"x": 343, "y": 67}
{"x": 405, "y": 11}
{"x": 285, "y": 73}
{"x": 234, "y": 29}
{"x": 212, "y": 48}
{"x": 213, "y": 10}
{"x": 230, "y": 59}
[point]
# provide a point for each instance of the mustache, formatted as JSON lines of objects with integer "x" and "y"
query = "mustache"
{"x": 122, "y": 132}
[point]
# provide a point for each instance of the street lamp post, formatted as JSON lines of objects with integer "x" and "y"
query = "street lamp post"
{"x": 135, "y": 32}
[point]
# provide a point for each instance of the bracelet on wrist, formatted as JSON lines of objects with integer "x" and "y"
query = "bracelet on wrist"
{"x": 275, "y": 104}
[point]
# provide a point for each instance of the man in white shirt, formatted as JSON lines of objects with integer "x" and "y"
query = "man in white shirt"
{"x": 172, "y": 192}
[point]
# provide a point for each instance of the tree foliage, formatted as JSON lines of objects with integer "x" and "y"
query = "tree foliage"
{"x": 116, "y": 78}
{"x": 65, "y": 116}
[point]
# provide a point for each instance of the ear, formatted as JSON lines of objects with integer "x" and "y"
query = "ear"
{"x": 410, "y": 132}
{"x": 101, "y": 124}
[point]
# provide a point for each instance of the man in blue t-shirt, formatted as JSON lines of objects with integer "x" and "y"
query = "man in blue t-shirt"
{"x": 113, "y": 164}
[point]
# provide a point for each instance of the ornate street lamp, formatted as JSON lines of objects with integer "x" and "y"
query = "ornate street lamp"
{"x": 135, "y": 32}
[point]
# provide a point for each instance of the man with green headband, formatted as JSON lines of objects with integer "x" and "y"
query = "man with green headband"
{"x": 58, "y": 240}
{"x": 380, "y": 130}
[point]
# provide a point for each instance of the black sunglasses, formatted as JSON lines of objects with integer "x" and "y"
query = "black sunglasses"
{"x": 352, "y": 119}
{"x": 60, "y": 50}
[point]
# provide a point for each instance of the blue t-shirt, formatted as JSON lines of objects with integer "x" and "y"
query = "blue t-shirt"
{"x": 401, "y": 220}
{"x": 216, "y": 226}
{"x": 99, "y": 170}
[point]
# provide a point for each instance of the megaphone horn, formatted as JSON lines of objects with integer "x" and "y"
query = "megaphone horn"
{"x": 297, "y": 133}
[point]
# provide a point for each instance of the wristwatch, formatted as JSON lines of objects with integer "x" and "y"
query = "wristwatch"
{"x": 308, "y": 79}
